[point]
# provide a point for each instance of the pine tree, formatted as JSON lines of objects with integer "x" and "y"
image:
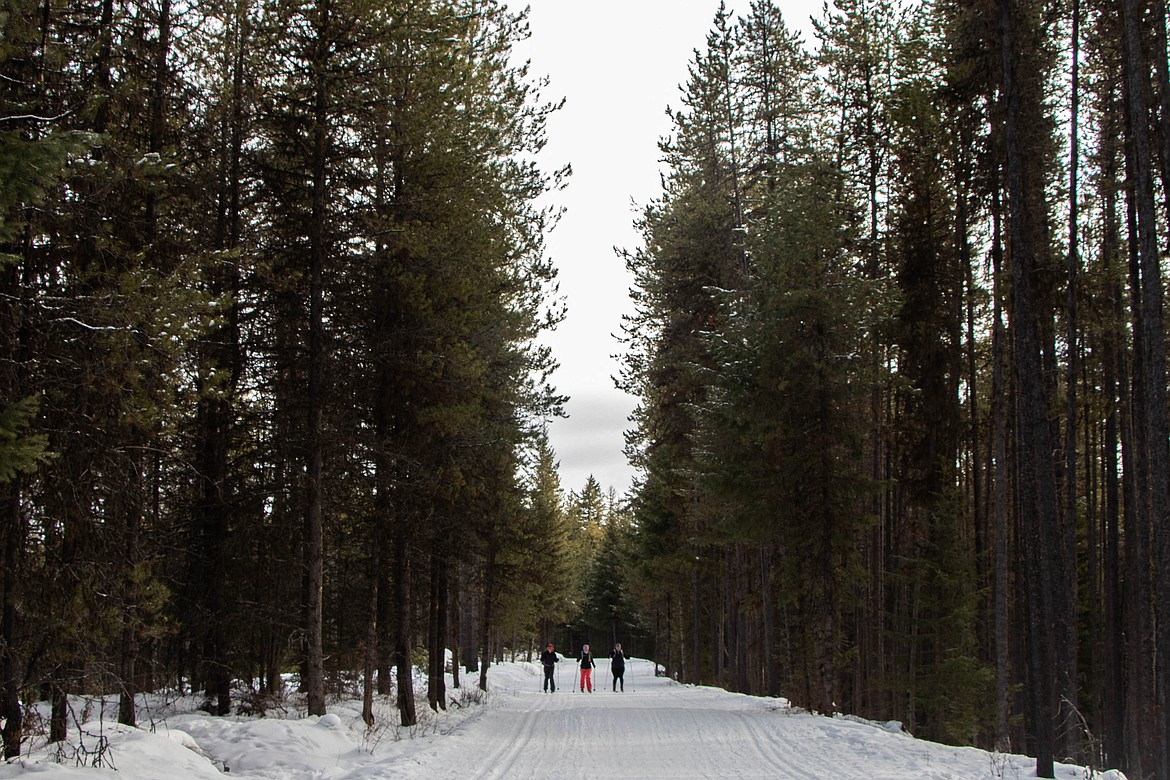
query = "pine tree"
{"x": 931, "y": 577}
{"x": 32, "y": 161}
{"x": 693, "y": 249}
{"x": 933, "y": 132}
{"x": 1149, "y": 347}
{"x": 1037, "y": 476}
{"x": 556, "y": 546}
{"x": 605, "y": 607}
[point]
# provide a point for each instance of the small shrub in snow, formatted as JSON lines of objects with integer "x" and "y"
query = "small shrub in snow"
{"x": 469, "y": 695}
{"x": 91, "y": 750}
{"x": 259, "y": 704}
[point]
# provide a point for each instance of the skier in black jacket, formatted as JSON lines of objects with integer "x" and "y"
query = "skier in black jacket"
{"x": 549, "y": 659}
{"x": 617, "y": 665}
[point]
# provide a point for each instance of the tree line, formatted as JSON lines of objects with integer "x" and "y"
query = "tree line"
{"x": 899, "y": 349}
{"x": 271, "y": 395}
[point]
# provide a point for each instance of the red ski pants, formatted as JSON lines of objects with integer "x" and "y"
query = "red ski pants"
{"x": 587, "y": 679}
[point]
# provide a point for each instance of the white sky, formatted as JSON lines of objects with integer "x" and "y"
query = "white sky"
{"x": 619, "y": 64}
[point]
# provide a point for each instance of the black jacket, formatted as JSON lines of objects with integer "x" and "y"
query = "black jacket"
{"x": 548, "y": 658}
{"x": 586, "y": 660}
{"x": 618, "y": 659}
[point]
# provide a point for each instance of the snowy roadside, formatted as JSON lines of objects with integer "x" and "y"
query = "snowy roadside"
{"x": 177, "y": 741}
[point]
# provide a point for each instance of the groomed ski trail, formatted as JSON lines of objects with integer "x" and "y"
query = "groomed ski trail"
{"x": 667, "y": 730}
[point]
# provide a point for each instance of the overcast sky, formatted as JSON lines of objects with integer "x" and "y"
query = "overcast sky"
{"x": 619, "y": 64}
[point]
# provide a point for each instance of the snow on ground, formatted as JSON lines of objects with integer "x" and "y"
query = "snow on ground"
{"x": 657, "y": 728}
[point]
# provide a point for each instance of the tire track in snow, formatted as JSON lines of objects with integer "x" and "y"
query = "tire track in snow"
{"x": 664, "y": 731}
{"x": 777, "y": 750}
{"x": 504, "y": 761}
{"x": 792, "y": 757}
{"x": 765, "y": 745}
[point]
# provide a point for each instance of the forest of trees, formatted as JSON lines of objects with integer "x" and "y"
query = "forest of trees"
{"x": 273, "y": 398}
{"x": 272, "y": 274}
{"x": 899, "y": 350}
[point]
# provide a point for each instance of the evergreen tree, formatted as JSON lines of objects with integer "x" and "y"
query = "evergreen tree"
{"x": 33, "y": 159}
{"x": 606, "y": 609}
{"x": 265, "y": 259}
{"x": 693, "y": 249}
{"x": 556, "y": 546}
{"x": 927, "y": 539}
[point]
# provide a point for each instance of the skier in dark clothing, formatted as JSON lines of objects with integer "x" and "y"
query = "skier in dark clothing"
{"x": 617, "y": 665}
{"x": 549, "y": 659}
{"x": 587, "y": 667}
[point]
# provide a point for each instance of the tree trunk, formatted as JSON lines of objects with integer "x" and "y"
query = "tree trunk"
{"x": 1153, "y": 381}
{"x": 386, "y": 645}
{"x": 1070, "y": 714}
{"x": 370, "y": 657}
{"x": 668, "y": 668}
{"x": 455, "y": 623}
{"x": 1037, "y": 475}
{"x": 216, "y": 415}
{"x": 485, "y": 620}
{"x": 1139, "y": 632}
{"x": 402, "y": 629}
{"x": 437, "y": 635}
{"x": 771, "y": 673}
{"x": 315, "y": 394}
{"x": 131, "y": 507}
{"x": 692, "y": 672}
{"x": 467, "y": 613}
{"x": 1001, "y": 471}
{"x": 59, "y": 714}
{"x": 1114, "y": 680}
{"x": 444, "y": 630}
{"x": 10, "y": 677}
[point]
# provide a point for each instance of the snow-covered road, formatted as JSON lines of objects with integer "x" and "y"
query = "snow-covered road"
{"x": 656, "y": 729}
{"x": 660, "y": 729}
{"x": 652, "y": 730}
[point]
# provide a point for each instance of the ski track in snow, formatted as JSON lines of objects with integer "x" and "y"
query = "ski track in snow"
{"x": 656, "y": 729}
{"x": 661, "y": 729}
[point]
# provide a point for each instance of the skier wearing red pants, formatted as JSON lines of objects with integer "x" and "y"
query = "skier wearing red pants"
{"x": 587, "y": 667}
